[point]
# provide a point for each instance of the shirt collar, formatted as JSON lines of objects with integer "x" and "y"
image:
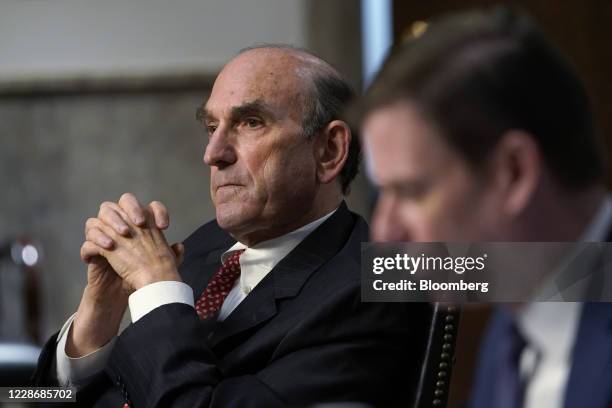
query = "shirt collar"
{"x": 257, "y": 261}
{"x": 551, "y": 326}
{"x": 599, "y": 225}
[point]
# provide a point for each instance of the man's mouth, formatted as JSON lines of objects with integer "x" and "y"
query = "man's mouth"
{"x": 228, "y": 186}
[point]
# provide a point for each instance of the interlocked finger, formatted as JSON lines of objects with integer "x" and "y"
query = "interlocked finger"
{"x": 160, "y": 213}
{"x": 112, "y": 215}
{"x": 130, "y": 205}
{"x": 89, "y": 250}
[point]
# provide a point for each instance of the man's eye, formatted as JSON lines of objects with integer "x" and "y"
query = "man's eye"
{"x": 211, "y": 129}
{"x": 413, "y": 191}
{"x": 253, "y": 123}
{"x": 410, "y": 190}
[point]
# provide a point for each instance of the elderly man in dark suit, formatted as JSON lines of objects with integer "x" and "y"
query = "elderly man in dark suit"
{"x": 479, "y": 130}
{"x": 265, "y": 309}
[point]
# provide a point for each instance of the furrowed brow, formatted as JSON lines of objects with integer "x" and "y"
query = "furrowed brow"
{"x": 410, "y": 187}
{"x": 202, "y": 114}
{"x": 256, "y": 107}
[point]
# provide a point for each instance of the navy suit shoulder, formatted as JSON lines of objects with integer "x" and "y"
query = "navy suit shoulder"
{"x": 588, "y": 383}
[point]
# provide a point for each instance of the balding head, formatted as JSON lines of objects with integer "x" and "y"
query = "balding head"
{"x": 308, "y": 65}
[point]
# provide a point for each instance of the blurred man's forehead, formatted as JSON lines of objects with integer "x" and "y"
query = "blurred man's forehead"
{"x": 400, "y": 144}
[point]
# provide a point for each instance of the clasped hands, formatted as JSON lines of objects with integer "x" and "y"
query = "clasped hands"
{"x": 125, "y": 250}
{"x": 130, "y": 240}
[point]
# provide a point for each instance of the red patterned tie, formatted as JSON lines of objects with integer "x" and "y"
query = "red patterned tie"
{"x": 219, "y": 286}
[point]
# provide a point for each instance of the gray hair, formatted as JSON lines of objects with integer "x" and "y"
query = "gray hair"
{"x": 327, "y": 100}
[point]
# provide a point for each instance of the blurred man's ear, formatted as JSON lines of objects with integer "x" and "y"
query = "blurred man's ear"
{"x": 517, "y": 168}
{"x": 331, "y": 150}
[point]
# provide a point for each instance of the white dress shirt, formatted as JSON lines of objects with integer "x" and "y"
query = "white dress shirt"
{"x": 255, "y": 263}
{"x": 550, "y": 330}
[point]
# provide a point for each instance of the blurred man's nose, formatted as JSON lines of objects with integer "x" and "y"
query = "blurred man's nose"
{"x": 386, "y": 224}
{"x": 220, "y": 152}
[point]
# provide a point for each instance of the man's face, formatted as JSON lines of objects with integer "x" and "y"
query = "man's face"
{"x": 263, "y": 171}
{"x": 427, "y": 192}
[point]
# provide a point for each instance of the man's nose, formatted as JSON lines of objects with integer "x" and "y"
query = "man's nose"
{"x": 386, "y": 225}
{"x": 220, "y": 151}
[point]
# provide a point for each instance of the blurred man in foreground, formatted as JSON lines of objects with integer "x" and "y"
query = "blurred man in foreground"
{"x": 265, "y": 309}
{"x": 479, "y": 131}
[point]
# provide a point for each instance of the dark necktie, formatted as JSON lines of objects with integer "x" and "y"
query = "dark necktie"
{"x": 220, "y": 284}
{"x": 498, "y": 382}
{"x": 510, "y": 387}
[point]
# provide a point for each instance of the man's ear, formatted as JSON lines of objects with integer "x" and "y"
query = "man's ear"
{"x": 331, "y": 149}
{"x": 517, "y": 169}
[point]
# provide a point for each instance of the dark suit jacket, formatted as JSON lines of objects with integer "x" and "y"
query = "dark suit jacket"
{"x": 302, "y": 336}
{"x": 589, "y": 383}
{"x": 590, "y": 379}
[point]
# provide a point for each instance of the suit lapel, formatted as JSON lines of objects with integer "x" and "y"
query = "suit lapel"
{"x": 287, "y": 278}
{"x": 483, "y": 389}
{"x": 207, "y": 269}
{"x": 589, "y": 382}
{"x": 197, "y": 270}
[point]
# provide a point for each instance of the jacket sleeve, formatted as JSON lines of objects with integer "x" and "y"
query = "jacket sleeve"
{"x": 344, "y": 350}
{"x": 46, "y": 373}
{"x": 162, "y": 361}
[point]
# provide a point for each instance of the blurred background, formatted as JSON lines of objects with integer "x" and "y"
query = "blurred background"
{"x": 99, "y": 98}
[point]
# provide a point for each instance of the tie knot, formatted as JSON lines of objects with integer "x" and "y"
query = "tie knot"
{"x": 219, "y": 286}
{"x": 235, "y": 256}
{"x": 232, "y": 263}
{"x": 231, "y": 266}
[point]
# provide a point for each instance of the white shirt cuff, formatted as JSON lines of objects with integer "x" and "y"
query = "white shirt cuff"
{"x": 157, "y": 294}
{"x": 78, "y": 371}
